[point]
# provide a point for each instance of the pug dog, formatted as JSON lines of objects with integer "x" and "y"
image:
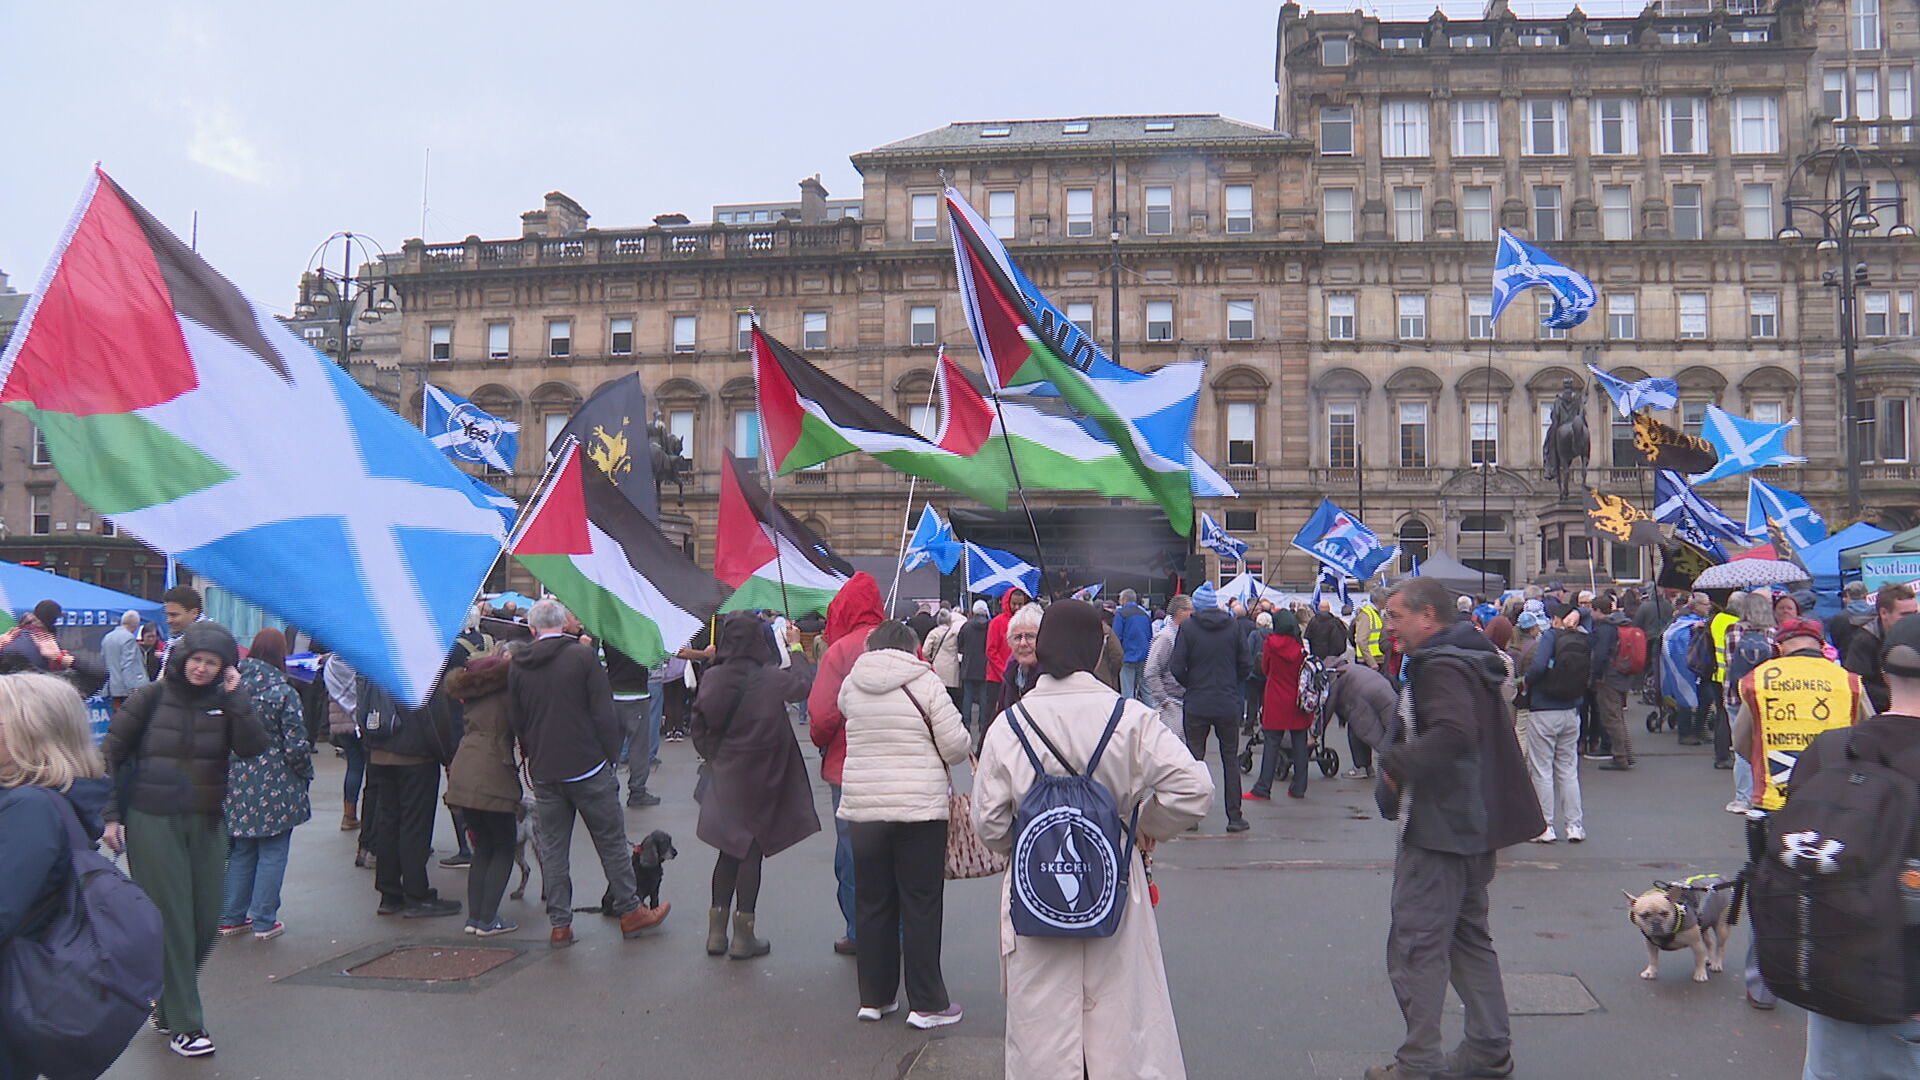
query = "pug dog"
{"x": 1691, "y": 914}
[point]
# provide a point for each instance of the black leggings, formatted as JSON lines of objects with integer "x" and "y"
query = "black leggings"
{"x": 493, "y": 836}
{"x": 737, "y": 881}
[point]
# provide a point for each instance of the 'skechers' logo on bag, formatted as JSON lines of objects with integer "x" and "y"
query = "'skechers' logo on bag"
{"x": 1071, "y": 870}
{"x": 1809, "y": 852}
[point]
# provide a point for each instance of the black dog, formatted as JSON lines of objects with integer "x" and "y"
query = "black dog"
{"x": 649, "y": 857}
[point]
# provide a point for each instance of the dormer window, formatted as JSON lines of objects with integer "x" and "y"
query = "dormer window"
{"x": 995, "y": 132}
{"x": 1471, "y": 41}
{"x": 1159, "y": 125}
{"x": 1402, "y": 42}
{"x": 1075, "y": 127}
{"x": 1538, "y": 38}
{"x": 1336, "y": 51}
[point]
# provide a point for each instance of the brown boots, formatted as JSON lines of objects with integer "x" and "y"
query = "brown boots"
{"x": 349, "y": 819}
{"x": 642, "y": 918}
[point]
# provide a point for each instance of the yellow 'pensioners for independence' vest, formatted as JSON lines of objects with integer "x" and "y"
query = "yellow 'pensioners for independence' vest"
{"x": 1794, "y": 699}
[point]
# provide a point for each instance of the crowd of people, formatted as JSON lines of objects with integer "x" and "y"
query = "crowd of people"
{"x": 1471, "y": 715}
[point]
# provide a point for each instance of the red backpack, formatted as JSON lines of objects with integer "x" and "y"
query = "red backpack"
{"x": 1630, "y": 651}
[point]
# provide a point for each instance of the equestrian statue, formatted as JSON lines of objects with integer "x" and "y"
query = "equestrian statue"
{"x": 1567, "y": 441}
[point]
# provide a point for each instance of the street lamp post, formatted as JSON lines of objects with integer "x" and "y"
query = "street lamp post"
{"x": 1845, "y": 208}
{"x": 349, "y": 291}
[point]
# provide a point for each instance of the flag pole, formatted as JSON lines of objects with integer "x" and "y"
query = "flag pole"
{"x": 1485, "y": 468}
{"x": 1039, "y": 555}
{"x": 906, "y": 523}
{"x": 766, "y": 458}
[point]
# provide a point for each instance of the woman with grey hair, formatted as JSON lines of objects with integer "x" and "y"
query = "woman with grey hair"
{"x": 1023, "y": 634}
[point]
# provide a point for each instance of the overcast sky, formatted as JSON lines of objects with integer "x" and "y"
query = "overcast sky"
{"x": 282, "y": 123}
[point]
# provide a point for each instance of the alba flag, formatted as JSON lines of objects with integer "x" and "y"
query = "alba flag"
{"x": 166, "y": 398}
{"x": 1016, "y": 351}
{"x": 613, "y": 568}
{"x": 772, "y": 561}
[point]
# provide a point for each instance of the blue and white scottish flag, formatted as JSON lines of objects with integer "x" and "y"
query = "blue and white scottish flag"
{"x": 1330, "y": 577}
{"x": 501, "y": 503}
{"x": 932, "y": 542}
{"x": 1693, "y": 518}
{"x": 1089, "y": 593}
{"x": 1339, "y": 540}
{"x": 1798, "y": 522}
{"x": 1518, "y": 265}
{"x": 991, "y": 571}
{"x": 1217, "y": 539}
{"x": 1744, "y": 445}
{"x": 466, "y": 431}
{"x": 1631, "y": 397}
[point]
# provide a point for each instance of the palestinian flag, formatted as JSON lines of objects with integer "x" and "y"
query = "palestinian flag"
{"x": 808, "y": 416}
{"x": 167, "y": 399}
{"x": 611, "y": 565}
{"x": 1053, "y": 447}
{"x": 771, "y": 560}
{"x": 1017, "y": 350}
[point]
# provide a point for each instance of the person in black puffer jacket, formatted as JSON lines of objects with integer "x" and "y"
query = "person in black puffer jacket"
{"x": 1210, "y": 660}
{"x": 173, "y": 739}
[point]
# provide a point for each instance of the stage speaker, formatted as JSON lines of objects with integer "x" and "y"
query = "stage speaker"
{"x": 1195, "y": 574}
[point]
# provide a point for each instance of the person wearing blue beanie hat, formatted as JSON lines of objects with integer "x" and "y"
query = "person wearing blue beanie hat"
{"x": 1205, "y": 597}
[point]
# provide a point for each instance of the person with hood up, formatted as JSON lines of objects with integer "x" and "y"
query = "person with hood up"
{"x": 974, "y": 701}
{"x": 1454, "y": 778}
{"x": 266, "y": 794}
{"x": 177, "y": 737}
{"x": 1257, "y": 681}
{"x": 32, "y": 644}
{"x": 1281, "y": 658}
{"x": 483, "y": 782}
{"x": 1089, "y": 1006}
{"x": 755, "y": 799}
{"x": 1210, "y": 661}
{"x": 44, "y": 744}
{"x": 998, "y": 648}
{"x": 854, "y": 611}
{"x": 1133, "y": 625}
{"x": 901, "y": 736}
{"x": 942, "y": 650}
{"x": 1327, "y": 634}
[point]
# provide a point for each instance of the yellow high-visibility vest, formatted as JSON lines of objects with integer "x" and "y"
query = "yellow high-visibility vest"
{"x": 1792, "y": 699}
{"x": 1375, "y": 628}
{"x": 1721, "y": 623}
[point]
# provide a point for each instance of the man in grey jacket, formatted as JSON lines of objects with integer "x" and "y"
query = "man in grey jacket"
{"x": 1167, "y": 694}
{"x": 120, "y": 651}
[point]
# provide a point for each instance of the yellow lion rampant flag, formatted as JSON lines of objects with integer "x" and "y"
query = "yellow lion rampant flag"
{"x": 1620, "y": 519}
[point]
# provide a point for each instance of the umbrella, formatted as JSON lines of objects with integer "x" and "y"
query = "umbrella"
{"x": 1750, "y": 573}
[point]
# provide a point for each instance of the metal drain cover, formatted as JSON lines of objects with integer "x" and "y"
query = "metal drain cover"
{"x": 1540, "y": 994}
{"x": 433, "y": 963}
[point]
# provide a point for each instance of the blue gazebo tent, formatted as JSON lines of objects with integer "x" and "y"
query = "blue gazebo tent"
{"x": 83, "y": 604}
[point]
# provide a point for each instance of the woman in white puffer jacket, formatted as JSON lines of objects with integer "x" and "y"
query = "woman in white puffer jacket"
{"x": 942, "y": 650}
{"x": 902, "y": 732}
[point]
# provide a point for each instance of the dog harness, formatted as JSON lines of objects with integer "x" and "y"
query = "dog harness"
{"x": 1693, "y": 893}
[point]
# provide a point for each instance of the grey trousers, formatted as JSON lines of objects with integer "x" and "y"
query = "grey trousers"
{"x": 632, "y": 715}
{"x": 1439, "y": 935}
{"x": 597, "y": 800}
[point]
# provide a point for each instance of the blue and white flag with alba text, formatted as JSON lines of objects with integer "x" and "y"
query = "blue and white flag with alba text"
{"x": 1518, "y": 265}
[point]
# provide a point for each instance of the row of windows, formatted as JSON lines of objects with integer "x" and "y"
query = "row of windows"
{"x": 767, "y": 216}
{"x": 1883, "y": 314}
{"x": 620, "y": 341}
{"x": 1156, "y": 212}
{"x": 1688, "y": 212}
{"x": 1613, "y": 129}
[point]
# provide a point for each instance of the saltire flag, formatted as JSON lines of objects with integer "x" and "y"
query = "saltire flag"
{"x": 1799, "y": 522}
{"x": 1518, "y": 265}
{"x": 1339, "y": 540}
{"x": 771, "y": 560}
{"x": 808, "y": 416}
{"x": 1694, "y": 519}
{"x": 611, "y": 428}
{"x": 159, "y": 388}
{"x": 1631, "y": 397}
{"x": 991, "y": 571}
{"x": 1217, "y": 539}
{"x": 1330, "y": 576}
{"x": 1744, "y": 445}
{"x": 1160, "y": 403}
{"x": 1053, "y": 447}
{"x": 1664, "y": 447}
{"x": 1621, "y": 520}
{"x": 932, "y": 542}
{"x": 1090, "y": 593}
{"x": 1014, "y": 352}
{"x": 1678, "y": 683}
{"x": 610, "y": 564}
{"x": 501, "y": 503}
{"x": 466, "y": 431}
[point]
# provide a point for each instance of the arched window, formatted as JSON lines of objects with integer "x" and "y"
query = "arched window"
{"x": 1415, "y": 543}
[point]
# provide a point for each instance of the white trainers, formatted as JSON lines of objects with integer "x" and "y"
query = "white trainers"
{"x": 1576, "y": 834}
{"x": 870, "y": 1013}
{"x": 926, "y": 1020}
{"x": 1738, "y": 806}
{"x": 1547, "y": 837}
{"x": 191, "y": 1044}
{"x": 1357, "y": 774}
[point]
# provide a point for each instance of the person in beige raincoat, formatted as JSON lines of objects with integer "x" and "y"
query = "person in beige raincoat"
{"x": 1089, "y": 1006}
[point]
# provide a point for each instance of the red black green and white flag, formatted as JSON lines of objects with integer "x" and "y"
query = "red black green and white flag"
{"x": 808, "y": 416}
{"x": 610, "y": 564}
{"x": 1015, "y": 352}
{"x": 167, "y": 399}
{"x": 772, "y": 561}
